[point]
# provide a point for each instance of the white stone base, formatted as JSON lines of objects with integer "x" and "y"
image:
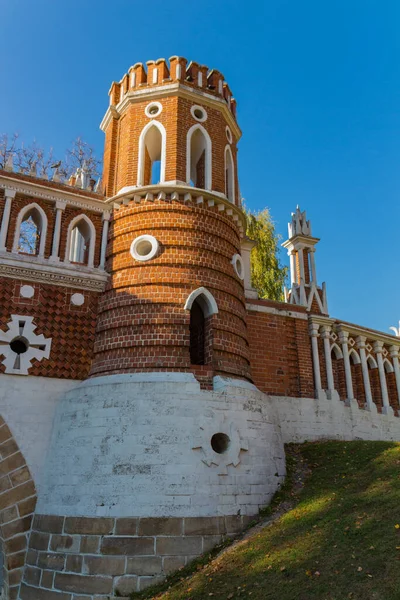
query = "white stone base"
{"x": 140, "y": 445}
{"x": 309, "y": 419}
{"x": 27, "y": 404}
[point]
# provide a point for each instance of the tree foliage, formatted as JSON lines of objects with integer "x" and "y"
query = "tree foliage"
{"x": 33, "y": 157}
{"x": 267, "y": 273}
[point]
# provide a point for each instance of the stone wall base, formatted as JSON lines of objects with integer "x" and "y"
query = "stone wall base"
{"x": 91, "y": 558}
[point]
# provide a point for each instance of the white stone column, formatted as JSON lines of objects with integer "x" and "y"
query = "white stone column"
{"x": 313, "y": 267}
{"x": 293, "y": 278}
{"x": 326, "y": 336}
{"x": 394, "y": 353}
{"x": 386, "y": 409}
{"x": 343, "y": 338}
{"x": 245, "y": 248}
{"x": 367, "y": 386}
{"x": 104, "y": 238}
{"x": 60, "y": 207}
{"x": 9, "y": 196}
{"x": 370, "y": 405}
{"x": 315, "y": 357}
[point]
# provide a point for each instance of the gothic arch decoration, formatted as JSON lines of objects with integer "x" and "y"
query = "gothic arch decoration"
{"x": 205, "y": 299}
{"x": 16, "y": 514}
{"x": 91, "y": 238}
{"x": 388, "y": 366}
{"x": 150, "y": 142}
{"x": 336, "y": 351}
{"x": 198, "y": 142}
{"x": 32, "y": 210}
{"x": 354, "y": 358}
{"x": 372, "y": 362}
{"x": 229, "y": 175}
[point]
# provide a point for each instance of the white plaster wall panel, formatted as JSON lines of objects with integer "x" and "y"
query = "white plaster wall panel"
{"x": 303, "y": 419}
{"x": 135, "y": 444}
{"x": 27, "y": 404}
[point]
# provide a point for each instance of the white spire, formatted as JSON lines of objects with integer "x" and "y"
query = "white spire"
{"x": 299, "y": 224}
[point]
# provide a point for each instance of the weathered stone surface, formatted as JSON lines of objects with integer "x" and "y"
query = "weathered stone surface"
{"x": 13, "y": 592}
{"x": 16, "y": 494}
{"x": 15, "y": 577}
{"x": 9, "y": 514}
{"x": 32, "y": 575}
{"x": 65, "y": 543}
{"x": 147, "y": 565}
{"x": 126, "y": 526}
{"x": 160, "y": 526}
{"x": 53, "y": 562}
{"x": 90, "y": 544}
{"x": 127, "y": 546}
{"x": 233, "y": 524}
{"x": 17, "y": 526}
{"x": 16, "y": 560}
{"x": 178, "y": 546}
{"x": 15, "y": 461}
{"x": 204, "y": 525}
{"x": 209, "y": 541}
{"x": 31, "y": 593}
{"x": 39, "y": 541}
{"x": 89, "y": 525}
{"x": 47, "y": 579}
{"x": 48, "y": 523}
{"x": 173, "y": 563}
{"x": 145, "y": 582}
{"x": 16, "y": 544}
{"x": 27, "y": 507}
{"x": 103, "y": 565}
{"x": 83, "y": 584}
{"x": 74, "y": 563}
{"x": 126, "y": 584}
{"x": 32, "y": 557}
{"x": 5, "y": 484}
{"x": 20, "y": 476}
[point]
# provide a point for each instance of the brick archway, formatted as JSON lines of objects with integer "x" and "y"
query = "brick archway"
{"x": 17, "y": 505}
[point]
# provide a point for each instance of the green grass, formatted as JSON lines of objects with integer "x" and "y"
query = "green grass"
{"x": 340, "y": 541}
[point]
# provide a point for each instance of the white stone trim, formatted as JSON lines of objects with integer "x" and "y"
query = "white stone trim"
{"x": 237, "y": 259}
{"x": 148, "y": 108}
{"x": 144, "y": 238}
{"x": 228, "y": 133}
{"x": 208, "y": 156}
{"x": 9, "y": 196}
{"x": 209, "y": 304}
{"x": 227, "y": 152}
{"x": 43, "y": 232}
{"x": 195, "y": 107}
{"x": 21, "y": 326}
{"x": 142, "y": 146}
{"x": 337, "y": 351}
{"x": 92, "y": 243}
{"x": 276, "y": 311}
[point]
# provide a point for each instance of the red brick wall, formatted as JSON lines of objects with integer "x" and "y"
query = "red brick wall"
{"x": 71, "y": 328}
{"x": 280, "y": 350}
{"x": 142, "y": 321}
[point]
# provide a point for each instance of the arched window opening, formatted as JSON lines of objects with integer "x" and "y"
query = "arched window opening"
{"x": 375, "y": 383}
{"x": 197, "y": 334}
{"x": 29, "y": 233}
{"x": 198, "y": 166}
{"x": 229, "y": 175}
{"x": 152, "y": 154}
{"x": 339, "y": 380}
{"x": 80, "y": 243}
{"x": 357, "y": 378}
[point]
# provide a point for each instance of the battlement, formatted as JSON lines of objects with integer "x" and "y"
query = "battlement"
{"x": 177, "y": 70}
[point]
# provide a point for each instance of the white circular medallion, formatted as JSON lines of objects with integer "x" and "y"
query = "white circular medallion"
{"x": 153, "y": 109}
{"x": 144, "y": 247}
{"x": 228, "y": 134}
{"x": 77, "y": 299}
{"x": 198, "y": 113}
{"x": 237, "y": 262}
{"x": 27, "y": 291}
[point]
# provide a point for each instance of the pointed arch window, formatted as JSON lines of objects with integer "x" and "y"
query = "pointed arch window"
{"x": 152, "y": 151}
{"x": 81, "y": 241}
{"x": 229, "y": 175}
{"x": 198, "y": 157}
{"x": 30, "y": 232}
{"x": 202, "y": 306}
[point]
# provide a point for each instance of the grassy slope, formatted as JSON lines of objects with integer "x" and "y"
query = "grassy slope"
{"x": 339, "y": 542}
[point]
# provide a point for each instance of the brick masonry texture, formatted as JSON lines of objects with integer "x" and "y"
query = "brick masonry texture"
{"x": 142, "y": 323}
{"x": 60, "y": 564}
{"x": 72, "y": 328}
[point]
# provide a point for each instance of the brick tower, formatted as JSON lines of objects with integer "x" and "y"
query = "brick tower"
{"x": 168, "y": 445}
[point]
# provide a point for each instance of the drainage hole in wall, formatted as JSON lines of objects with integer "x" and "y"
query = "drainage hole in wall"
{"x": 220, "y": 442}
{"x": 19, "y": 345}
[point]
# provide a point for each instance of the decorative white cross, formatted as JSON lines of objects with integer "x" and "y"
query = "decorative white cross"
{"x": 396, "y": 330}
{"x": 20, "y": 345}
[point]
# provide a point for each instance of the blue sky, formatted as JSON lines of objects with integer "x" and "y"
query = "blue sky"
{"x": 318, "y": 91}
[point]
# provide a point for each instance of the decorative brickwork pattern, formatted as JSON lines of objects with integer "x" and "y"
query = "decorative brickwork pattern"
{"x": 72, "y": 328}
{"x": 101, "y": 556}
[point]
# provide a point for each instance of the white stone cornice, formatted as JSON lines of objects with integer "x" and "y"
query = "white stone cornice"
{"x": 9, "y": 193}
{"x": 42, "y": 271}
{"x": 36, "y": 190}
{"x": 357, "y": 331}
{"x": 276, "y": 311}
{"x": 175, "y": 89}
